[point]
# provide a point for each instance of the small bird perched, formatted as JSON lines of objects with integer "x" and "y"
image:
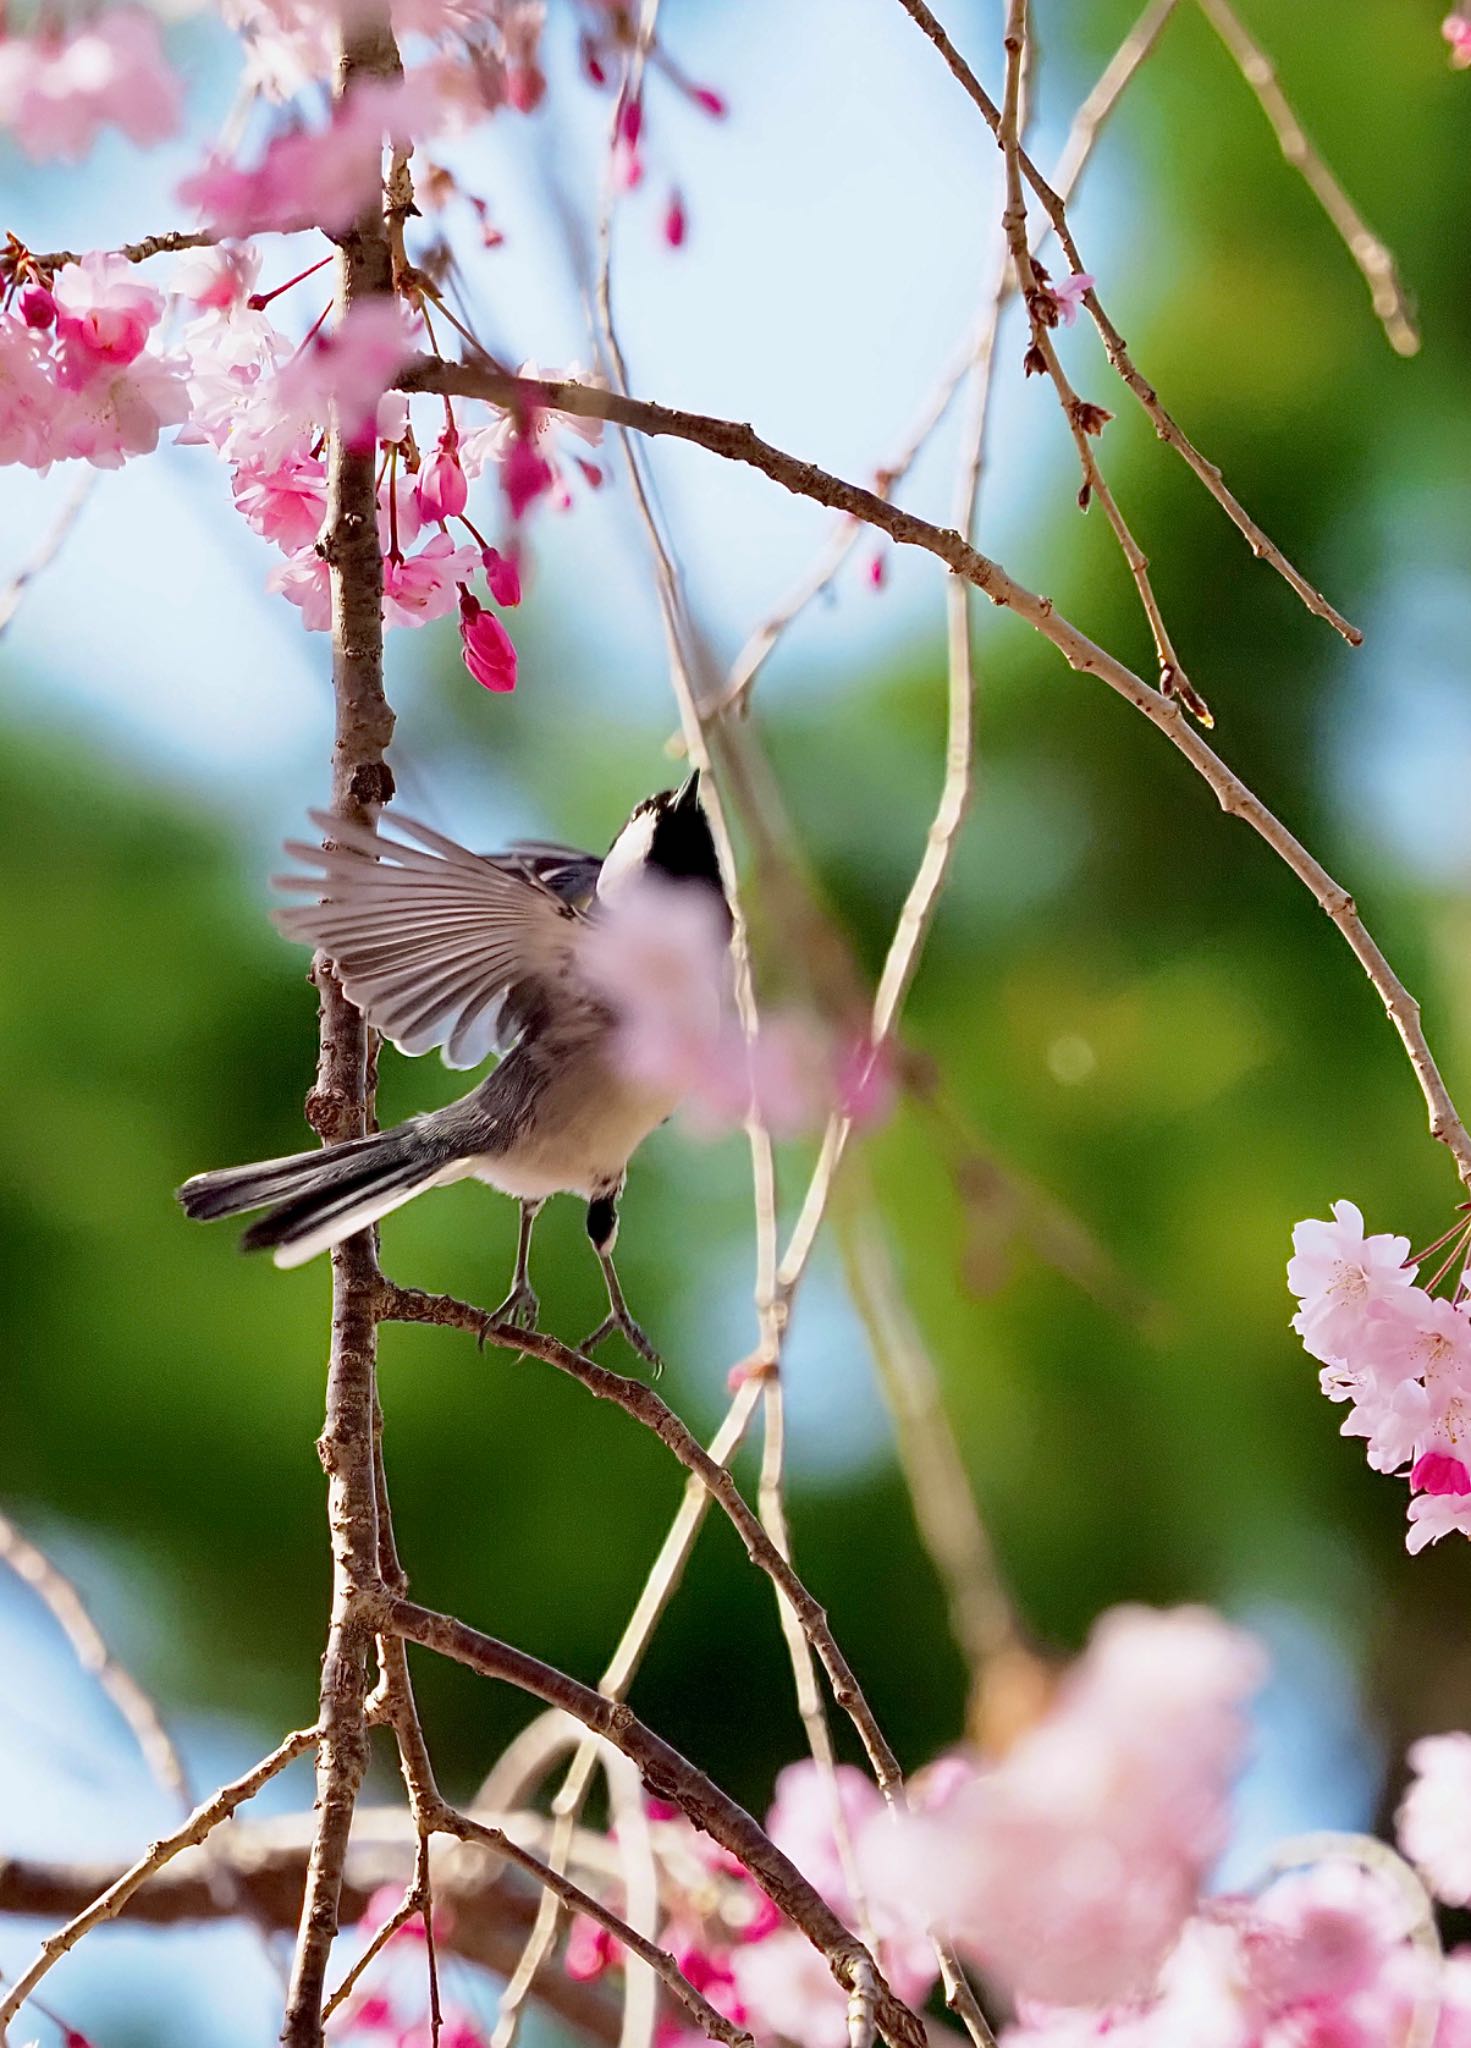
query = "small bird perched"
{"x": 475, "y": 953}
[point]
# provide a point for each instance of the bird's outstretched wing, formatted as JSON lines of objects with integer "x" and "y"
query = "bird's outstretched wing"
{"x": 434, "y": 944}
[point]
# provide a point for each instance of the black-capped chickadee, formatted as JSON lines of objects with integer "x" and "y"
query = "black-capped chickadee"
{"x": 476, "y": 953}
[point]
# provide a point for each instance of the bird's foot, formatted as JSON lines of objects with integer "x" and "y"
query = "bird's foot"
{"x": 623, "y": 1321}
{"x": 520, "y": 1309}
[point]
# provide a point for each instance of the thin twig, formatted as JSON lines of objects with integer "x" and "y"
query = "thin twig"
{"x": 167, "y": 244}
{"x": 737, "y": 442}
{"x": 108, "y": 1904}
{"x": 50, "y": 548}
{"x": 68, "y": 1610}
{"x": 1165, "y": 426}
{"x": 1376, "y": 262}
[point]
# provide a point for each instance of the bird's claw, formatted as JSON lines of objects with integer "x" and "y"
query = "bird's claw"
{"x": 632, "y": 1334}
{"x": 520, "y": 1309}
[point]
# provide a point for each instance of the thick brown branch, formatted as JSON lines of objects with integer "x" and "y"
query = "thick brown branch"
{"x": 488, "y": 1917}
{"x": 340, "y": 1107}
{"x": 668, "y": 1775}
{"x": 737, "y": 442}
{"x": 636, "y": 1398}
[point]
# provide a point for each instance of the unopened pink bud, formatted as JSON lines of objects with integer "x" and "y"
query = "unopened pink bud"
{"x": 1439, "y": 1472}
{"x": 37, "y": 307}
{"x": 712, "y": 102}
{"x": 503, "y": 574}
{"x": 486, "y": 646}
{"x": 676, "y": 222}
{"x": 525, "y": 87}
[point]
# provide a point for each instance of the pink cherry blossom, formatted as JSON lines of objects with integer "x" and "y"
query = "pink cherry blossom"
{"x": 285, "y": 504}
{"x": 503, "y": 574}
{"x": 347, "y": 369}
{"x": 486, "y": 646}
{"x": 1338, "y": 1274}
{"x": 1433, "y": 1824}
{"x": 58, "y": 90}
{"x": 121, "y": 411}
{"x": 30, "y": 398}
{"x": 1070, "y": 1868}
{"x": 37, "y": 307}
{"x": 1068, "y": 296}
{"x": 217, "y": 279}
{"x": 425, "y": 586}
{"x": 303, "y": 580}
{"x": 1433, "y": 1515}
{"x": 526, "y": 475}
{"x": 103, "y": 313}
{"x": 440, "y": 488}
{"x": 1456, "y": 28}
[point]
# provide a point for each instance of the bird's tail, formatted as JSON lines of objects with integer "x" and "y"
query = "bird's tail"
{"x": 315, "y": 1199}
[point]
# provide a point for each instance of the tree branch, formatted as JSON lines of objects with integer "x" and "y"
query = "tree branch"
{"x": 668, "y": 1775}
{"x": 738, "y": 442}
{"x": 340, "y": 1107}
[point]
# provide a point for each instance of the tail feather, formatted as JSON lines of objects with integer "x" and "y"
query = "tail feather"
{"x": 315, "y": 1199}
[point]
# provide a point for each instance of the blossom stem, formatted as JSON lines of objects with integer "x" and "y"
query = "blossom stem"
{"x": 258, "y": 301}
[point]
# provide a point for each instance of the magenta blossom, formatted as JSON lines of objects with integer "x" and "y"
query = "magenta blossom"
{"x": 486, "y": 646}
{"x": 676, "y": 221}
{"x": 440, "y": 487}
{"x": 103, "y": 314}
{"x": 503, "y": 574}
{"x": 526, "y": 475}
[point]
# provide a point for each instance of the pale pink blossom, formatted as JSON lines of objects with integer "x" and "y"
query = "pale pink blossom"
{"x": 486, "y": 646}
{"x": 1433, "y": 1515}
{"x": 1070, "y": 1868}
{"x": 786, "y": 1989}
{"x": 1456, "y": 28}
{"x": 1068, "y": 296}
{"x": 217, "y": 279}
{"x": 303, "y": 580}
{"x": 30, "y": 398}
{"x": 285, "y": 504}
{"x": 524, "y": 442}
{"x": 347, "y": 369}
{"x": 104, "y": 313}
{"x": 1433, "y": 1824}
{"x": 1338, "y": 1275}
{"x": 59, "y": 89}
{"x": 417, "y": 588}
{"x": 121, "y": 411}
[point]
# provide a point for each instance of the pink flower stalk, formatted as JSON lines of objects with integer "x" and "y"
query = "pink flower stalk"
{"x": 1456, "y": 28}
{"x": 426, "y": 585}
{"x": 503, "y": 574}
{"x": 1068, "y": 296}
{"x": 676, "y": 221}
{"x": 58, "y": 90}
{"x": 440, "y": 487}
{"x": 286, "y": 504}
{"x": 103, "y": 314}
{"x": 1433, "y": 1825}
{"x": 486, "y": 646}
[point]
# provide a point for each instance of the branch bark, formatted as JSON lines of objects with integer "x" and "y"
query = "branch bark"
{"x": 340, "y": 1107}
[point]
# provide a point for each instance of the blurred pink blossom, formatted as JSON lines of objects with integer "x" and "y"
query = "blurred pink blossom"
{"x": 59, "y": 89}
{"x": 1433, "y": 1824}
{"x": 503, "y": 574}
{"x": 1456, "y": 28}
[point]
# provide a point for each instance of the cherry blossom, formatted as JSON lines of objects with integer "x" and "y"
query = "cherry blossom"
{"x": 425, "y": 586}
{"x": 304, "y": 580}
{"x": 1456, "y": 28}
{"x": 58, "y": 90}
{"x": 348, "y": 369}
{"x": 103, "y": 313}
{"x": 1337, "y": 1275}
{"x": 524, "y": 443}
{"x": 122, "y": 412}
{"x": 1433, "y": 1825}
{"x": 486, "y": 646}
{"x": 440, "y": 488}
{"x": 285, "y": 504}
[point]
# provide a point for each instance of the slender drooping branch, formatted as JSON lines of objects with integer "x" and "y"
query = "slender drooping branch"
{"x": 737, "y": 442}
{"x": 110, "y": 1902}
{"x": 1165, "y": 426}
{"x": 340, "y": 1107}
{"x": 668, "y": 1775}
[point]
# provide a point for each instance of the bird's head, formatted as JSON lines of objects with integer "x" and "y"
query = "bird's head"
{"x": 667, "y": 836}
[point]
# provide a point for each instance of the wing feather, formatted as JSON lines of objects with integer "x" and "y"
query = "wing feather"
{"x": 437, "y": 946}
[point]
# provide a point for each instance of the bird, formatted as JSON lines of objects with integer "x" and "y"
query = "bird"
{"x": 476, "y": 953}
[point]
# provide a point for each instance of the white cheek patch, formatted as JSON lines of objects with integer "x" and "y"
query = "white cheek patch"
{"x": 627, "y": 856}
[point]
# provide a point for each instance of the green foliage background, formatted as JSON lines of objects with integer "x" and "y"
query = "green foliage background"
{"x": 1156, "y": 1436}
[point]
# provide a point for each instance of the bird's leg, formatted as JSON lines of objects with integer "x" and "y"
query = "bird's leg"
{"x": 521, "y": 1306}
{"x": 602, "y": 1228}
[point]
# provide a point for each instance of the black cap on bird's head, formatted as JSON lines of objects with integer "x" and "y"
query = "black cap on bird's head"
{"x": 669, "y": 834}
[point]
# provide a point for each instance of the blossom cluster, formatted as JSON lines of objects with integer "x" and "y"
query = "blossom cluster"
{"x": 1069, "y": 1871}
{"x": 1398, "y": 1355}
{"x": 59, "y": 88}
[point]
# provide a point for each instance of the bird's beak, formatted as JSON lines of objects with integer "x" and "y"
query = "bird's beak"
{"x": 688, "y": 797}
